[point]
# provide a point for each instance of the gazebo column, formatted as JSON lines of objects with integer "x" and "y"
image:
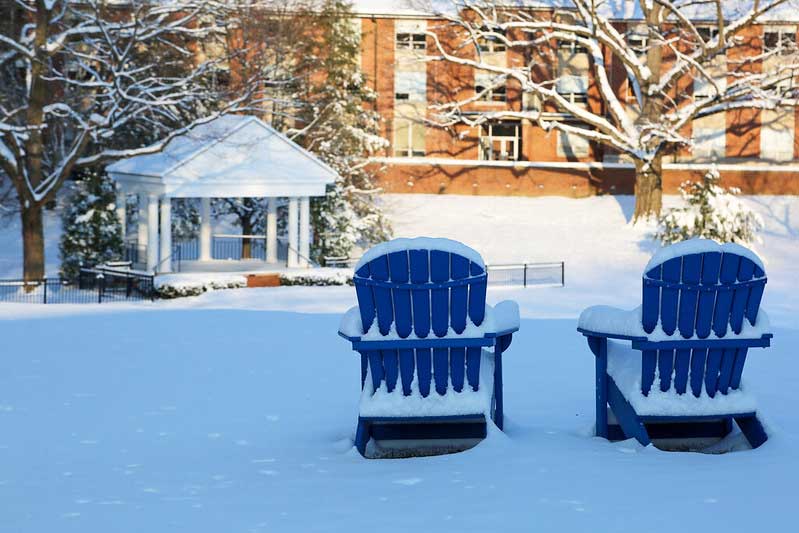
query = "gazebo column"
{"x": 121, "y": 210}
{"x": 305, "y": 231}
{"x": 166, "y": 235}
{"x": 152, "y": 232}
{"x": 205, "y": 229}
{"x": 294, "y": 245}
{"x": 271, "y": 230}
{"x": 141, "y": 220}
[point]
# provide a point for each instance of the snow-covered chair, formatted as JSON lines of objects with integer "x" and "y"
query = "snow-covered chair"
{"x": 425, "y": 335}
{"x": 680, "y": 375}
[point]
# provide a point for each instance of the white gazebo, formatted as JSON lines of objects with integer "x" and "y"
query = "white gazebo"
{"x": 232, "y": 156}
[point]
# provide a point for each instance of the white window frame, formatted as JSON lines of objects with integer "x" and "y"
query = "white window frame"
{"x": 410, "y": 152}
{"x": 413, "y": 91}
{"x": 788, "y": 34}
{"x": 407, "y": 40}
{"x": 494, "y": 91}
{"x": 508, "y": 144}
{"x": 491, "y": 45}
{"x": 713, "y": 150}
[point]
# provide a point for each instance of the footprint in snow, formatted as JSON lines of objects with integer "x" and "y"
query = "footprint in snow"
{"x": 408, "y": 482}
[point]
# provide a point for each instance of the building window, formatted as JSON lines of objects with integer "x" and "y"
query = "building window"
{"x": 411, "y": 41}
{"x": 638, "y": 43}
{"x": 492, "y": 43}
{"x": 777, "y": 127}
{"x": 710, "y": 143}
{"x": 500, "y": 141}
{"x": 782, "y": 40}
{"x": 707, "y": 33}
{"x": 410, "y": 86}
{"x": 408, "y": 138}
{"x": 572, "y": 82}
{"x": 571, "y": 145}
{"x": 489, "y": 88}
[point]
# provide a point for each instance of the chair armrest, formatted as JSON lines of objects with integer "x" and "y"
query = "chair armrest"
{"x": 502, "y": 319}
{"x": 351, "y": 327}
{"x": 611, "y": 323}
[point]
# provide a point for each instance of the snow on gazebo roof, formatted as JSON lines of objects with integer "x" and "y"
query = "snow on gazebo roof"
{"x": 231, "y": 156}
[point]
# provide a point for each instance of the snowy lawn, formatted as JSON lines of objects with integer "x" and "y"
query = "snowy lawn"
{"x": 235, "y": 411}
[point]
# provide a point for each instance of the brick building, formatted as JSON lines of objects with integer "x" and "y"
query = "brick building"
{"x": 755, "y": 150}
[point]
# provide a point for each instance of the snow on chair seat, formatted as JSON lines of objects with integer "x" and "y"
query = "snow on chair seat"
{"x": 430, "y": 347}
{"x": 688, "y": 343}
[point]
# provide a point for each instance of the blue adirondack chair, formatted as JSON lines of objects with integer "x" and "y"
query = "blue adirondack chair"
{"x": 423, "y": 330}
{"x": 680, "y": 376}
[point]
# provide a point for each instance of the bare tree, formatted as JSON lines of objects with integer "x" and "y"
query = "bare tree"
{"x": 662, "y": 50}
{"x": 84, "y": 82}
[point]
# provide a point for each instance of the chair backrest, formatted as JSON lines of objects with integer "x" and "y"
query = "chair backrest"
{"x": 418, "y": 285}
{"x": 698, "y": 286}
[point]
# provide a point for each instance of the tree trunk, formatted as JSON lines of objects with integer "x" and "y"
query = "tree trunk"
{"x": 648, "y": 189}
{"x": 32, "y": 242}
{"x": 246, "y": 244}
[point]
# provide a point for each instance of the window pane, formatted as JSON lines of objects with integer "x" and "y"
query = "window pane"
{"x": 401, "y": 134}
{"x": 417, "y": 137}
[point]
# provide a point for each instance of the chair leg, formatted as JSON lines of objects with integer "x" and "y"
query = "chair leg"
{"x": 362, "y": 436}
{"x": 499, "y": 411}
{"x": 752, "y": 430}
{"x": 602, "y": 388}
{"x": 630, "y": 423}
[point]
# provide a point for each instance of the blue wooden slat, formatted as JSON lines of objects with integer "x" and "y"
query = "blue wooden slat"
{"x": 364, "y": 367}
{"x": 738, "y": 368}
{"x": 398, "y": 268}
{"x": 459, "y": 295}
{"x": 366, "y": 302}
{"x": 665, "y": 368}
{"x": 691, "y": 274}
{"x": 477, "y": 295}
{"x": 752, "y": 430}
{"x": 726, "y": 369}
{"x": 420, "y": 273}
{"x": 711, "y": 263}
{"x": 441, "y": 369}
{"x": 721, "y": 314}
{"x": 391, "y": 367}
{"x": 651, "y": 301}
{"x": 648, "y": 363}
{"x": 740, "y": 295}
{"x": 385, "y": 312}
{"x": 682, "y": 363}
{"x": 712, "y": 371}
{"x": 753, "y": 305}
{"x": 698, "y": 360}
{"x": 424, "y": 371}
{"x": 439, "y": 271}
{"x": 473, "y": 356}
{"x": 457, "y": 367}
{"x": 406, "y": 370}
{"x": 669, "y": 296}
{"x": 375, "y": 367}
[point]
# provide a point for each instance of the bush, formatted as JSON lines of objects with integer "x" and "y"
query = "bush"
{"x": 713, "y": 212}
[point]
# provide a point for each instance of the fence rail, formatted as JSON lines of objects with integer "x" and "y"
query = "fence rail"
{"x": 97, "y": 285}
{"x": 528, "y": 274}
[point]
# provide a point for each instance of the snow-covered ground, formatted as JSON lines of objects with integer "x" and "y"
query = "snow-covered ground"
{"x": 235, "y": 411}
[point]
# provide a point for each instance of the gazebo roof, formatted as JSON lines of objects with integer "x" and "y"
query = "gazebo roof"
{"x": 229, "y": 157}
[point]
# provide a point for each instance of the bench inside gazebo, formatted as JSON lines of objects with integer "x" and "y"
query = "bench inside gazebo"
{"x": 232, "y": 156}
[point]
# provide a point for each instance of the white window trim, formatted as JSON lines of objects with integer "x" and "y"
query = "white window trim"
{"x": 410, "y": 152}
{"x": 486, "y": 142}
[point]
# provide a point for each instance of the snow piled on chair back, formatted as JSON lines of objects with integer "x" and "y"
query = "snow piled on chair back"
{"x": 698, "y": 286}
{"x": 413, "y": 286}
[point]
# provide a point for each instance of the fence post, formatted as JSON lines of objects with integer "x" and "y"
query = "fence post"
{"x": 127, "y": 285}
{"x": 563, "y": 273}
{"x": 524, "y": 267}
{"x": 44, "y": 280}
{"x": 100, "y": 286}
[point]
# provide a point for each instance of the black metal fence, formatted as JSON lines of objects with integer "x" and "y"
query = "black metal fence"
{"x": 527, "y": 274}
{"x": 99, "y": 285}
